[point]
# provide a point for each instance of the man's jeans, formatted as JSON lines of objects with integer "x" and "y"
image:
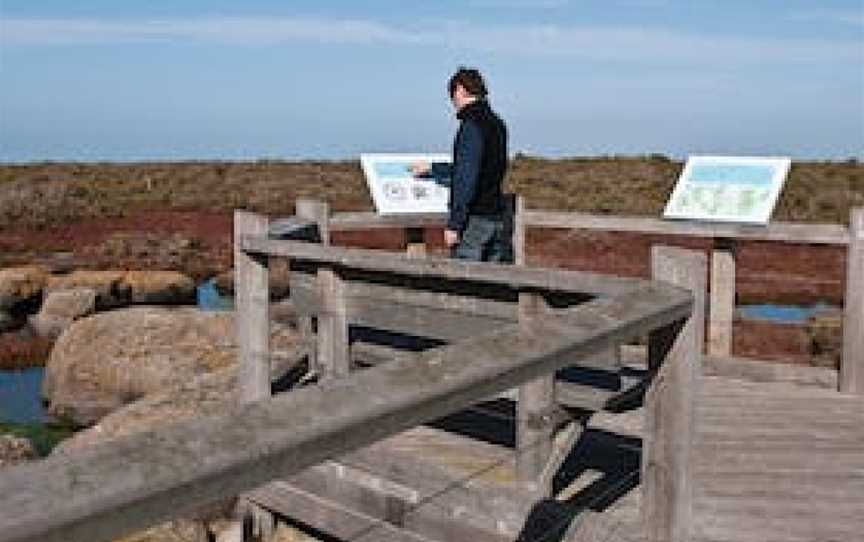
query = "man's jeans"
{"x": 485, "y": 238}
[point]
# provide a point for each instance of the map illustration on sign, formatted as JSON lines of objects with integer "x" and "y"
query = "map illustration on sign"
{"x": 395, "y": 190}
{"x": 728, "y": 189}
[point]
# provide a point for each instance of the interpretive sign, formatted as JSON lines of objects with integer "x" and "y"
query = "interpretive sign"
{"x": 728, "y": 189}
{"x": 394, "y": 188}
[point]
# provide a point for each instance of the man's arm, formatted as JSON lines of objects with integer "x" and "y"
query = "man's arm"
{"x": 466, "y": 172}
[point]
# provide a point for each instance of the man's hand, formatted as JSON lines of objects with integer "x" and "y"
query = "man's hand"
{"x": 420, "y": 168}
{"x": 451, "y": 237}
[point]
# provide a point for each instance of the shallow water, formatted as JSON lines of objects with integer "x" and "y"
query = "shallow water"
{"x": 209, "y": 299}
{"x": 786, "y": 314}
{"x": 20, "y": 391}
{"x": 20, "y": 400}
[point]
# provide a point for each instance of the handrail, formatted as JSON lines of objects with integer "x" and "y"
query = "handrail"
{"x": 115, "y": 487}
{"x": 787, "y": 232}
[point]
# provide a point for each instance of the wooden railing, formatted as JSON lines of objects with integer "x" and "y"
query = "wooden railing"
{"x": 501, "y": 334}
{"x": 722, "y": 290}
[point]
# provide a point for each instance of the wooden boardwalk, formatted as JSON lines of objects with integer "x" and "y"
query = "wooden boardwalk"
{"x": 772, "y": 462}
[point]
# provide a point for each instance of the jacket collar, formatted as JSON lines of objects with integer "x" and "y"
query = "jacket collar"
{"x": 472, "y": 109}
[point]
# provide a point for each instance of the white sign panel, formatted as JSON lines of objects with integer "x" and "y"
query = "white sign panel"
{"x": 728, "y": 189}
{"x": 394, "y": 188}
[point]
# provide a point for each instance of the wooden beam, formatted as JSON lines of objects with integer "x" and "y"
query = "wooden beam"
{"x": 828, "y": 234}
{"x": 333, "y": 359}
{"x": 119, "y": 486}
{"x": 252, "y": 310}
{"x": 852, "y": 363}
{"x": 722, "y": 303}
{"x": 535, "y": 407}
{"x": 383, "y": 263}
{"x": 407, "y": 295}
{"x": 675, "y": 353}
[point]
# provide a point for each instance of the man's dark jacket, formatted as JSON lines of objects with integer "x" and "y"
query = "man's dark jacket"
{"x": 479, "y": 164}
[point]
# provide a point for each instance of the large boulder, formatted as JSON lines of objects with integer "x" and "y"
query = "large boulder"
{"x": 110, "y": 359}
{"x": 120, "y": 288}
{"x": 61, "y": 308}
{"x": 21, "y": 285}
{"x": 111, "y": 290}
{"x": 205, "y": 395}
{"x": 160, "y": 287}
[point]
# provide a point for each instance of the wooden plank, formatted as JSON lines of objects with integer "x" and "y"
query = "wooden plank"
{"x": 769, "y": 372}
{"x": 830, "y": 234}
{"x": 366, "y": 220}
{"x": 852, "y": 363}
{"x": 722, "y": 303}
{"x": 567, "y": 394}
{"x": 535, "y": 408}
{"x": 670, "y": 404}
{"x": 406, "y": 294}
{"x": 252, "y": 310}
{"x": 333, "y": 360}
{"x": 441, "y": 324}
{"x": 330, "y": 516}
{"x": 383, "y": 263}
{"x": 118, "y": 486}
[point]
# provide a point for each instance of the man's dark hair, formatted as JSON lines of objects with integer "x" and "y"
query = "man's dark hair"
{"x": 470, "y": 79}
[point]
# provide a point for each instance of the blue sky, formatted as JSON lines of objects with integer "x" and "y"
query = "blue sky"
{"x": 108, "y": 80}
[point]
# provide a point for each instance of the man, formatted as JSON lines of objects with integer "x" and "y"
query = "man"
{"x": 475, "y": 225}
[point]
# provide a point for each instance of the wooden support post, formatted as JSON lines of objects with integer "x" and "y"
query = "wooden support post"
{"x": 518, "y": 230}
{"x": 252, "y": 312}
{"x": 316, "y": 211}
{"x": 721, "y": 306}
{"x": 333, "y": 355}
{"x": 416, "y": 243}
{"x": 675, "y": 352}
{"x": 319, "y": 212}
{"x": 852, "y": 364}
{"x": 535, "y": 406}
{"x": 259, "y": 523}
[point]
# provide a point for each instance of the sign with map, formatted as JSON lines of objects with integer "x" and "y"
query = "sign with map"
{"x": 728, "y": 189}
{"x": 395, "y": 190}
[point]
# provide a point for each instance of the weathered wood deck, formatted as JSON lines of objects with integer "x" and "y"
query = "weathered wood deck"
{"x": 772, "y": 462}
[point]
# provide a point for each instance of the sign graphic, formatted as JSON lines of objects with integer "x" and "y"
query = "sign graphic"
{"x": 394, "y": 188}
{"x": 728, "y": 189}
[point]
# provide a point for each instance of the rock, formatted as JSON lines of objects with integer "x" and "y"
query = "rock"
{"x": 160, "y": 287}
{"x": 201, "y": 396}
{"x": 111, "y": 289}
{"x": 279, "y": 280}
{"x": 110, "y": 359}
{"x": 61, "y": 308}
{"x": 15, "y": 450}
{"x": 825, "y": 329}
{"x": 7, "y": 322}
{"x": 20, "y": 285}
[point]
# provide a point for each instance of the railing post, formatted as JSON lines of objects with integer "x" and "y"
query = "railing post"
{"x": 415, "y": 242}
{"x": 315, "y": 211}
{"x": 852, "y": 363}
{"x": 333, "y": 355}
{"x": 675, "y": 353}
{"x": 318, "y": 212}
{"x": 252, "y": 312}
{"x": 721, "y": 306}
{"x": 535, "y": 429}
{"x": 518, "y": 239}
